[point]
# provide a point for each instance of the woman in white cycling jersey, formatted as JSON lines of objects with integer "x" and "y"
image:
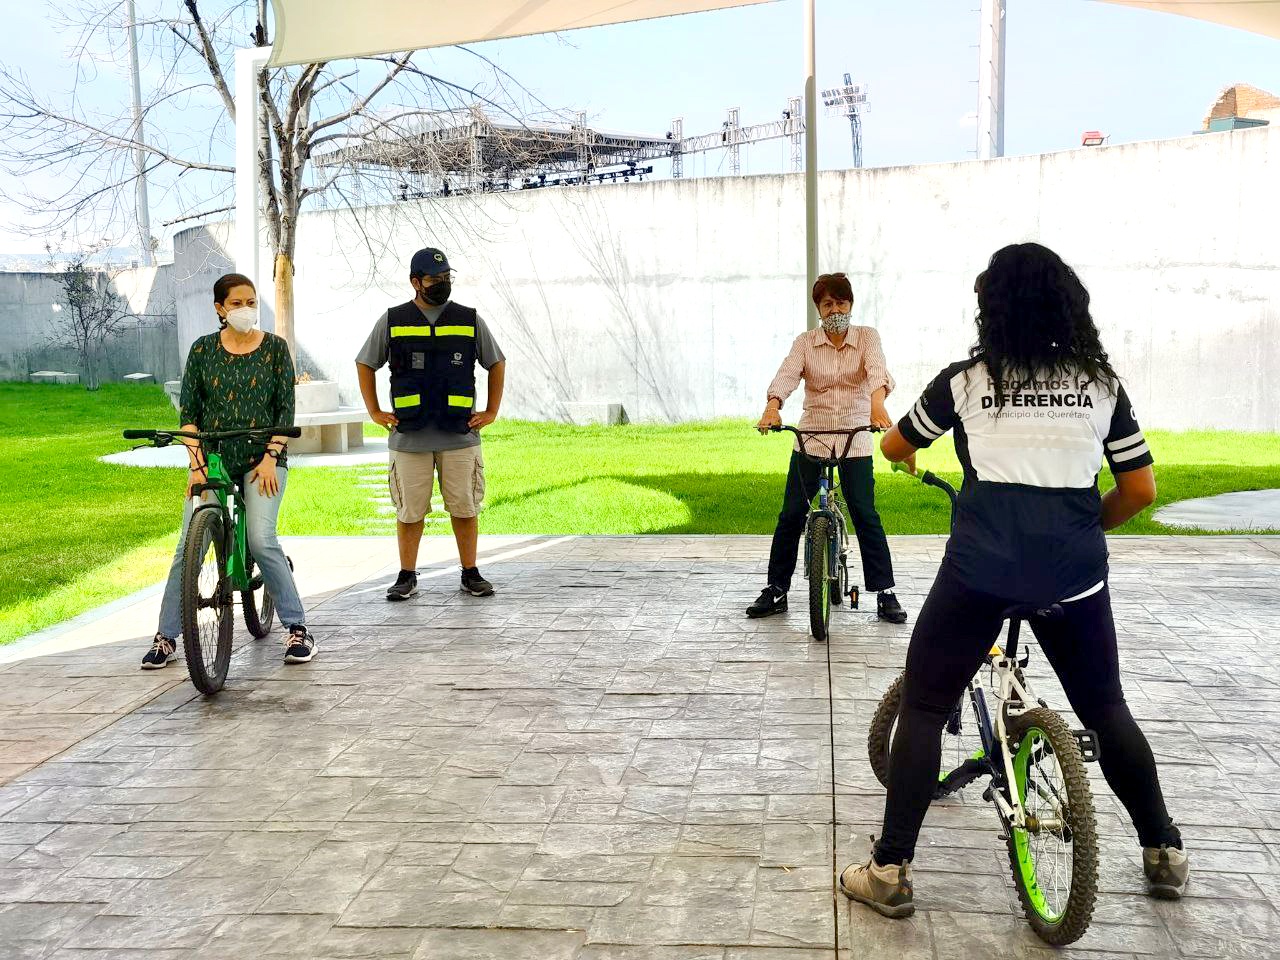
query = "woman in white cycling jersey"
{"x": 1034, "y": 411}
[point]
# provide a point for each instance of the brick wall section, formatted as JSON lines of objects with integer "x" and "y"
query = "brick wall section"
{"x": 1243, "y": 100}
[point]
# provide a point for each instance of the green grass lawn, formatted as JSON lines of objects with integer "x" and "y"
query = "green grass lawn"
{"x": 79, "y": 532}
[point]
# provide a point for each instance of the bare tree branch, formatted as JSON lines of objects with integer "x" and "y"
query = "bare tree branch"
{"x": 210, "y": 56}
{"x": 362, "y": 105}
{"x": 201, "y": 215}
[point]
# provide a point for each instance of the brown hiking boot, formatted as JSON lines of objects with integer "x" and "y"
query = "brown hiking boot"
{"x": 1167, "y": 870}
{"x": 886, "y": 890}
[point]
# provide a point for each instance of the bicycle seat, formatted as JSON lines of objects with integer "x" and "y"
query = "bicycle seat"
{"x": 1029, "y": 610}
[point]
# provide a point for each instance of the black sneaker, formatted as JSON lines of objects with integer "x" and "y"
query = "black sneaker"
{"x": 162, "y": 653}
{"x": 1167, "y": 870}
{"x": 771, "y": 601}
{"x": 406, "y": 586}
{"x": 475, "y": 584}
{"x": 889, "y": 609}
{"x": 299, "y": 645}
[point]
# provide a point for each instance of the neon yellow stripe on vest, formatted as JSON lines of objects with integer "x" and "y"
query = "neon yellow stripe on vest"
{"x": 422, "y": 331}
{"x": 412, "y": 400}
{"x": 460, "y": 401}
{"x": 455, "y": 331}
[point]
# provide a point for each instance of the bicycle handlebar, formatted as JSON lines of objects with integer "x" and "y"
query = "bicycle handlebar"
{"x": 931, "y": 479}
{"x": 164, "y": 437}
{"x": 847, "y": 434}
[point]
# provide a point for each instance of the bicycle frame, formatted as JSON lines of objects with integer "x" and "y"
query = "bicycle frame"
{"x": 228, "y": 499}
{"x": 831, "y": 506}
{"x": 1012, "y": 697}
{"x": 227, "y": 495}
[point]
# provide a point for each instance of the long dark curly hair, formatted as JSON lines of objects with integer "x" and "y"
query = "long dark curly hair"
{"x": 1034, "y": 320}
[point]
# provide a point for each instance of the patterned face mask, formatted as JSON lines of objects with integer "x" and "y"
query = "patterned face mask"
{"x": 836, "y": 323}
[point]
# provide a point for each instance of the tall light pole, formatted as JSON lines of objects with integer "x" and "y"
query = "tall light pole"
{"x": 991, "y": 81}
{"x": 810, "y": 158}
{"x": 139, "y": 139}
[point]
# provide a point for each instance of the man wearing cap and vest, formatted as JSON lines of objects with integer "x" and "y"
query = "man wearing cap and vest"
{"x": 432, "y": 346}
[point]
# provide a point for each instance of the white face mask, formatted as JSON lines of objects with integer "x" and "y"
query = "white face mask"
{"x": 836, "y": 323}
{"x": 242, "y": 319}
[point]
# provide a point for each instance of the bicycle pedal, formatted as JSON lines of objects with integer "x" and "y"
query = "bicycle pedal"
{"x": 1087, "y": 740}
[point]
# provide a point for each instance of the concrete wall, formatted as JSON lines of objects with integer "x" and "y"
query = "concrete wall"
{"x": 27, "y": 319}
{"x": 678, "y": 299}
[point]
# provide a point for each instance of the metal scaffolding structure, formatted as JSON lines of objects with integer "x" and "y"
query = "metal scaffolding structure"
{"x": 849, "y": 101}
{"x": 468, "y": 151}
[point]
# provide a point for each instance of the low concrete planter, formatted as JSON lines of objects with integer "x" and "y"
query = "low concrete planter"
{"x": 54, "y": 376}
{"x": 316, "y": 396}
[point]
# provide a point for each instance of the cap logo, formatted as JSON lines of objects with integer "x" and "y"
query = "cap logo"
{"x": 439, "y": 258}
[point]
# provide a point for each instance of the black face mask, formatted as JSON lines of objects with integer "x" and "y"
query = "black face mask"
{"x": 437, "y": 294}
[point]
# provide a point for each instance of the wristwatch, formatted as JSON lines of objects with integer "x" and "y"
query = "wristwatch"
{"x": 273, "y": 454}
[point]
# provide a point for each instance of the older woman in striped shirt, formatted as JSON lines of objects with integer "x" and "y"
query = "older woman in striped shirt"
{"x": 845, "y": 385}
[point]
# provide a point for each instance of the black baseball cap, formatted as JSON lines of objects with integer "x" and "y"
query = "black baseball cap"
{"x": 428, "y": 262}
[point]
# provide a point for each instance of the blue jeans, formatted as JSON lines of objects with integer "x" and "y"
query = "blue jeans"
{"x": 261, "y": 514}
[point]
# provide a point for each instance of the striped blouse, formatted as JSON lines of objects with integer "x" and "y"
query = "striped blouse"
{"x": 838, "y": 384}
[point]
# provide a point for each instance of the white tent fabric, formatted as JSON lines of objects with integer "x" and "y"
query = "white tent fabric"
{"x": 1256, "y": 16}
{"x": 309, "y": 31}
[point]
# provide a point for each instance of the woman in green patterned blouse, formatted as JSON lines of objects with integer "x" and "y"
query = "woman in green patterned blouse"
{"x": 240, "y": 377}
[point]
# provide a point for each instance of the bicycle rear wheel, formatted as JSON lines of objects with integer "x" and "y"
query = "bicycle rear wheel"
{"x": 961, "y": 743}
{"x": 257, "y": 604}
{"x": 1055, "y": 859}
{"x": 206, "y": 601}
{"x": 819, "y": 578}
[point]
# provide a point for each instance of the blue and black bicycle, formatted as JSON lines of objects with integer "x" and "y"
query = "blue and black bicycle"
{"x": 826, "y": 540}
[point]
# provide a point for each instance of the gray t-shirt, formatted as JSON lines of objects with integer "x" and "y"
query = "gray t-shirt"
{"x": 374, "y": 354}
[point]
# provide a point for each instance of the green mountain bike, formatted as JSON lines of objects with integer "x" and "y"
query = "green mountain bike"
{"x": 1034, "y": 767}
{"x": 826, "y": 540}
{"x": 216, "y": 559}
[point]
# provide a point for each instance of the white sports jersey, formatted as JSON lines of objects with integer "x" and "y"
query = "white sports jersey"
{"x": 1028, "y": 522}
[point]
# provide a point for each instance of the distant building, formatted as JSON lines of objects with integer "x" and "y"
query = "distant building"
{"x": 1240, "y": 106}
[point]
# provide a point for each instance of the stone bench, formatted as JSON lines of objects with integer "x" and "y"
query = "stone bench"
{"x": 139, "y": 378}
{"x": 333, "y": 431}
{"x": 54, "y": 376}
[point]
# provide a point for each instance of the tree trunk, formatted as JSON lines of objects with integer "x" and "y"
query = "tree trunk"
{"x": 90, "y": 370}
{"x": 284, "y": 300}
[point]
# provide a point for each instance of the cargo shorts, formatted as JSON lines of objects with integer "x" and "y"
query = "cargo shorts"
{"x": 411, "y": 478}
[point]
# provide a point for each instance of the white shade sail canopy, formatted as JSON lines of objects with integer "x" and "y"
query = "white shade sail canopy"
{"x": 1256, "y": 16}
{"x": 310, "y": 31}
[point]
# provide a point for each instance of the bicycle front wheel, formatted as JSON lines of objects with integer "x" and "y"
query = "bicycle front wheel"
{"x": 819, "y": 577}
{"x": 1055, "y": 858}
{"x": 206, "y": 601}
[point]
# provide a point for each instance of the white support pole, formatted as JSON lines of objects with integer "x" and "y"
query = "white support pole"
{"x": 248, "y": 248}
{"x": 139, "y": 137}
{"x": 810, "y": 159}
{"x": 991, "y": 81}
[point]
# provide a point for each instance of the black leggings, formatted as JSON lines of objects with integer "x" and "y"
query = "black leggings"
{"x": 953, "y": 633}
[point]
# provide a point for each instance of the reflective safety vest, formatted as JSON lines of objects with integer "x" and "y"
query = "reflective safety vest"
{"x": 433, "y": 369}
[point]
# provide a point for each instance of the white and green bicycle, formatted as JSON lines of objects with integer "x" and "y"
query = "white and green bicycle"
{"x": 1034, "y": 767}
